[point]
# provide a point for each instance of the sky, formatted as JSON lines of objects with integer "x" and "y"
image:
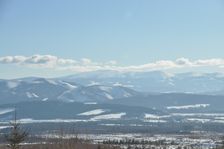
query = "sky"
{"x": 61, "y": 37}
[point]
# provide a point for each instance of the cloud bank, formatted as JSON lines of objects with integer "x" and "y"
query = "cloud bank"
{"x": 85, "y": 65}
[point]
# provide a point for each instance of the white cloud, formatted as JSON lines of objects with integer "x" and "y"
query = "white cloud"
{"x": 85, "y": 64}
{"x": 86, "y": 61}
{"x": 37, "y": 60}
{"x": 12, "y": 59}
{"x": 210, "y": 62}
{"x": 183, "y": 61}
{"x": 66, "y": 62}
{"x": 41, "y": 59}
{"x": 112, "y": 62}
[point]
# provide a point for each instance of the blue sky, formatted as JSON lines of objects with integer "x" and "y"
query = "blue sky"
{"x": 130, "y": 32}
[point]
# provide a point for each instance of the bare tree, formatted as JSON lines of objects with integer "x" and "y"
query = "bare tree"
{"x": 16, "y": 135}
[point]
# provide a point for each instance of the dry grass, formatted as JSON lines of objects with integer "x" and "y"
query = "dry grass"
{"x": 64, "y": 144}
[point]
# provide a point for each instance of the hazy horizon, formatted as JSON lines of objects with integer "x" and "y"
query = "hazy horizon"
{"x": 57, "y": 38}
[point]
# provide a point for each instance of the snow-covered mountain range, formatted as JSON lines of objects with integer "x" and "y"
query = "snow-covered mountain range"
{"x": 107, "y": 98}
{"x": 103, "y": 86}
{"x": 155, "y": 81}
{"x": 32, "y": 89}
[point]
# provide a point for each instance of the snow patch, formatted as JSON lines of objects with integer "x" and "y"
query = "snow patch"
{"x": 198, "y": 114}
{"x": 52, "y": 82}
{"x": 35, "y": 95}
{"x": 90, "y": 103}
{"x": 92, "y": 83}
{"x": 111, "y": 125}
{"x": 200, "y": 120}
{"x": 31, "y": 95}
{"x": 12, "y": 84}
{"x": 4, "y": 127}
{"x": 219, "y": 118}
{"x": 152, "y": 116}
{"x": 154, "y": 121}
{"x": 4, "y": 111}
{"x": 37, "y": 82}
{"x": 109, "y": 96}
{"x": 218, "y": 121}
{"x": 122, "y": 85}
{"x": 70, "y": 100}
{"x": 126, "y": 94}
{"x": 109, "y": 116}
{"x": 105, "y": 88}
{"x": 93, "y": 112}
{"x": 117, "y": 84}
{"x": 189, "y": 106}
{"x": 45, "y": 99}
{"x": 68, "y": 85}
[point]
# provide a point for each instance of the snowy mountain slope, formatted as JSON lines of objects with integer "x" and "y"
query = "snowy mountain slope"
{"x": 155, "y": 81}
{"x": 176, "y": 102}
{"x": 75, "y": 110}
{"x": 30, "y": 89}
{"x": 37, "y": 89}
{"x": 98, "y": 93}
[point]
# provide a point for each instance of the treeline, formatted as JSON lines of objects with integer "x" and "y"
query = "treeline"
{"x": 135, "y": 142}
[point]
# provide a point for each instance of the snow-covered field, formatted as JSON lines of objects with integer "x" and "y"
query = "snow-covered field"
{"x": 200, "y": 139}
{"x": 105, "y": 114}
